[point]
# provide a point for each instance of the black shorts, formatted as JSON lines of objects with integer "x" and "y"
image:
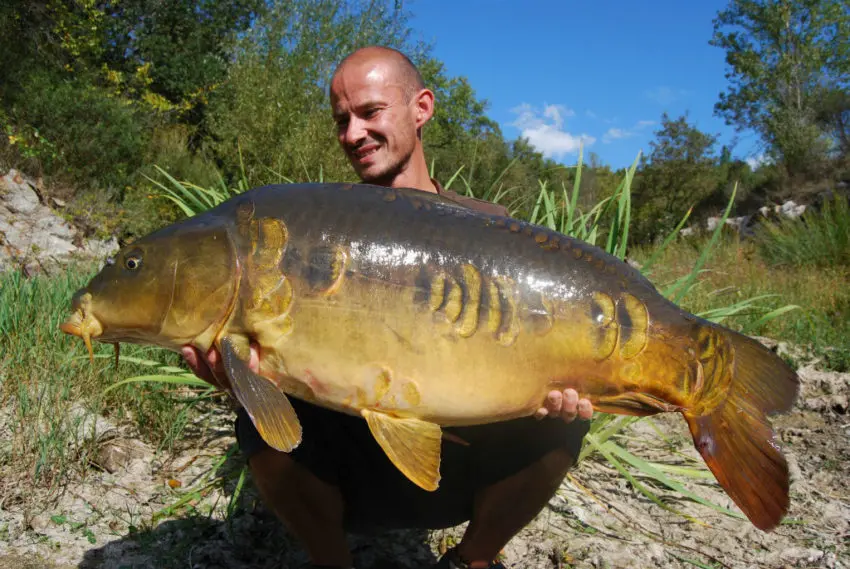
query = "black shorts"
{"x": 339, "y": 449}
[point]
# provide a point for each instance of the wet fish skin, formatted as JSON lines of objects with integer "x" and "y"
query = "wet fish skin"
{"x": 415, "y": 313}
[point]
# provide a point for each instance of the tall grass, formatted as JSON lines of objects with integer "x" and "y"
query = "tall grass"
{"x": 39, "y": 443}
{"x": 817, "y": 238}
{"x": 51, "y": 391}
{"x": 820, "y": 323}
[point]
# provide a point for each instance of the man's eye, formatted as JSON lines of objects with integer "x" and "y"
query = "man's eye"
{"x": 370, "y": 113}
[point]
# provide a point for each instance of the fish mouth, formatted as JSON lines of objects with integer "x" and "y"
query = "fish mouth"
{"x": 82, "y": 323}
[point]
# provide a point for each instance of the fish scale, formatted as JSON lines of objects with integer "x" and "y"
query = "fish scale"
{"x": 415, "y": 314}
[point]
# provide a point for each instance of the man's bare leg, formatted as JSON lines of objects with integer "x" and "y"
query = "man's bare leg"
{"x": 310, "y": 508}
{"x": 503, "y": 509}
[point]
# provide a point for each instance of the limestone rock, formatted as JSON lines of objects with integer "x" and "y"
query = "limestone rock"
{"x": 32, "y": 235}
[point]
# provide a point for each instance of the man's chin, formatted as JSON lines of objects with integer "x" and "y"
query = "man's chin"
{"x": 375, "y": 175}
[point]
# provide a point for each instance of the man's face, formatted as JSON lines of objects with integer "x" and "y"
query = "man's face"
{"x": 376, "y": 124}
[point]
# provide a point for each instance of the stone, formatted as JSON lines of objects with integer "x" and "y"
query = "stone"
{"x": 118, "y": 454}
{"x": 32, "y": 236}
{"x": 17, "y": 194}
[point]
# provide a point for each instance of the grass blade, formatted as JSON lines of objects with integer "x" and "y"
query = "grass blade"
{"x": 648, "y": 470}
{"x": 187, "y": 379}
{"x": 705, "y": 254}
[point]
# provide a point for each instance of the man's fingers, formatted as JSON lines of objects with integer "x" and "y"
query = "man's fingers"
{"x": 254, "y": 360}
{"x": 585, "y": 409}
{"x": 214, "y": 361}
{"x": 570, "y": 401}
{"x": 196, "y": 363}
{"x": 541, "y": 413}
{"x": 554, "y": 400}
{"x": 565, "y": 405}
{"x": 207, "y": 366}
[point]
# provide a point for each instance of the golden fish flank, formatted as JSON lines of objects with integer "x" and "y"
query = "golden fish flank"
{"x": 454, "y": 300}
{"x": 326, "y": 267}
{"x": 270, "y": 291}
{"x": 633, "y": 323}
{"x": 472, "y": 303}
{"x": 463, "y": 300}
{"x": 602, "y": 314}
{"x": 627, "y": 348}
{"x": 624, "y": 325}
{"x": 268, "y": 244}
{"x": 506, "y": 298}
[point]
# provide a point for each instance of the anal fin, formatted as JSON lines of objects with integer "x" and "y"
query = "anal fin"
{"x": 412, "y": 445}
{"x": 637, "y": 404}
{"x": 268, "y": 406}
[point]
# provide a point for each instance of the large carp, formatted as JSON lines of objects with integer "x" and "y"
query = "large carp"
{"x": 415, "y": 313}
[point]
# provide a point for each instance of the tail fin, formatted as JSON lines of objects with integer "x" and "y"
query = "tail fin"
{"x": 736, "y": 440}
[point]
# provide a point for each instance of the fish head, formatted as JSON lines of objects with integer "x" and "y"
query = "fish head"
{"x": 171, "y": 288}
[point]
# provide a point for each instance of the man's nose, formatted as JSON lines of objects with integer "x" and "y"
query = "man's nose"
{"x": 355, "y": 131}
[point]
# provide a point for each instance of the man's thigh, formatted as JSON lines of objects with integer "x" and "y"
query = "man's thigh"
{"x": 340, "y": 450}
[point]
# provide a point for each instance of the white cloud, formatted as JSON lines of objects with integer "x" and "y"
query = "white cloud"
{"x": 615, "y": 134}
{"x": 545, "y": 130}
{"x": 618, "y": 133}
{"x": 758, "y": 160}
{"x": 590, "y": 114}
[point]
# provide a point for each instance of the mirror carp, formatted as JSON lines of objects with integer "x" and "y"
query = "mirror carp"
{"x": 415, "y": 313}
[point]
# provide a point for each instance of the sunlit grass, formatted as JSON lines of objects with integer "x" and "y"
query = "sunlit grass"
{"x": 736, "y": 271}
{"x": 817, "y": 239}
{"x": 52, "y": 390}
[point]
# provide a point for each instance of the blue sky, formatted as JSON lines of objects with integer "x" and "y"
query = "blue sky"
{"x": 603, "y": 72}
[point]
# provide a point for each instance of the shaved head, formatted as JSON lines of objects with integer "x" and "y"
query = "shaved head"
{"x": 380, "y": 104}
{"x": 400, "y": 66}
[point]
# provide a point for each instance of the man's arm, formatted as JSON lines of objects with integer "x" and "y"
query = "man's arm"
{"x": 559, "y": 404}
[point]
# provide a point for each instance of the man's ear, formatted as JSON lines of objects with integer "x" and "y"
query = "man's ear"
{"x": 424, "y": 101}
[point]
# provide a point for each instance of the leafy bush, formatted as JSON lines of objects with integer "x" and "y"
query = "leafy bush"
{"x": 97, "y": 137}
{"x": 169, "y": 150}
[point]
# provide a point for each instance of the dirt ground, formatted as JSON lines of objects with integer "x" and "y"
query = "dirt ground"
{"x": 595, "y": 520}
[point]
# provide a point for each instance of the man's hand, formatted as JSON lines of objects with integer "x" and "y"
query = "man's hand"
{"x": 209, "y": 367}
{"x": 566, "y": 406}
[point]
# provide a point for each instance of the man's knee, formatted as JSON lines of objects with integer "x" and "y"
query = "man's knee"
{"x": 269, "y": 464}
{"x": 558, "y": 461}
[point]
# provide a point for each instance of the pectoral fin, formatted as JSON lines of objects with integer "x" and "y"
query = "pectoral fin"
{"x": 412, "y": 445}
{"x": 268, "y": 406}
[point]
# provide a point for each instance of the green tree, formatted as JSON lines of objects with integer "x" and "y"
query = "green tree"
{"x": 86, "y": 82}
{"x": 834, "y": 118}
{"x": 460, "y": 138}
{"x": 173, "y": 52}
{"x": 781, "y": 54}
{"x": 681, "y": 171}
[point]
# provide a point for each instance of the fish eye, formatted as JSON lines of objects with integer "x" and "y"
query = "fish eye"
{"x": 133, "y": 262}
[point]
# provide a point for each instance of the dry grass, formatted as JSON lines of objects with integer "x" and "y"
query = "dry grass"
{"x": 736, "y": 271}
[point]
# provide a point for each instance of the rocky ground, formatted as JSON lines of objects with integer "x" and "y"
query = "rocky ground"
{"x": 119, "y": 517}
{"x": 33, "y": 235}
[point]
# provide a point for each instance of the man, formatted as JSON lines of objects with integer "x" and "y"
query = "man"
{"x": 498, "y": 477}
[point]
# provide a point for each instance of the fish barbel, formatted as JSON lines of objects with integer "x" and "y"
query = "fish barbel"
{"x": 414, "y": 313}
